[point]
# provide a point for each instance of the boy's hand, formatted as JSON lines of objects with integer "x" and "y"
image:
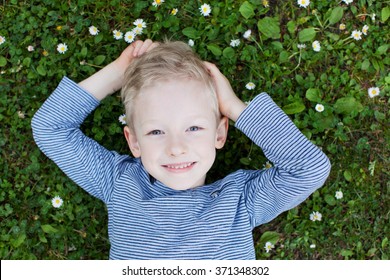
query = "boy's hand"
{"x": 136, "y": 49}
{"x": 229, "y": 104}
{"x": 109, "y": 79}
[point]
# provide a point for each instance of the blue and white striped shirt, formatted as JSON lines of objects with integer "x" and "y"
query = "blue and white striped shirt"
{"x": 151, "y": 221}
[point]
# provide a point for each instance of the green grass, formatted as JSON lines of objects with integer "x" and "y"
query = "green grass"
{"x": 352, "y": 130}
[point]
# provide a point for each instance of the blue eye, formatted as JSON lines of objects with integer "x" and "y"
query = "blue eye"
{"x": 155, "y": 132}
{"x": 194, "y": 128}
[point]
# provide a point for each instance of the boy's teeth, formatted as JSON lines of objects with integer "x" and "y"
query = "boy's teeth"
{"x": 181, "y": 166}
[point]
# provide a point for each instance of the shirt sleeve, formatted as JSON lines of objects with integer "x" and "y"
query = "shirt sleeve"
{"x": 299, "y": 166}
{"x": 56, "y": 131}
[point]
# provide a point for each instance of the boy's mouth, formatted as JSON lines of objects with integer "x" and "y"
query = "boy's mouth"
{"x": 179, "y": 167}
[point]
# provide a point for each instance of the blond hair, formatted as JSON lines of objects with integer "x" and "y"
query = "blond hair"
{"x": 169, "y": 61}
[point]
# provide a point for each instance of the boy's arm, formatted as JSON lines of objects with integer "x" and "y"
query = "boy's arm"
{"x": 299, "y": 166}
{"x": 56, "y": 127}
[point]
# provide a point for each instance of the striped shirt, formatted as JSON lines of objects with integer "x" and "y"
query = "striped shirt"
{"x": 148, "y": 220}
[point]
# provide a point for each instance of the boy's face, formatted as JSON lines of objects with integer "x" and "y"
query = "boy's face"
{"x": 176, "y": 132}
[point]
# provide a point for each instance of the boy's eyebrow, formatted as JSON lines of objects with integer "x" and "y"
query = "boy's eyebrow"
{"x": 194, "y": 118}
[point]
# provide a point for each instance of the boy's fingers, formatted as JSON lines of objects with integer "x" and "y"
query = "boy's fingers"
{"x": 137, "y": 46}
{"x": 128, "y": 52}
{"x": 212, "y": 68}
{"x": 142, "y": 47}
{"x": 208, "y": 65}
{"x": 152, "y": 46}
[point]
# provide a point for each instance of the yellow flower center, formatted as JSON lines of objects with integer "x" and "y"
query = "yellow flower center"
{"x": 59, "y": 27}
{"x": 373, "y": 91}
{"x": 158, "y": 2}
{"x": 303, "y": 2}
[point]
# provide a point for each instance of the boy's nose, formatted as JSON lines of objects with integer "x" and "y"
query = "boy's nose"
{"x": 176, "y": 147}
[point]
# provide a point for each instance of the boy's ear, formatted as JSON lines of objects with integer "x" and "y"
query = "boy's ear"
{"x": 132, "y": 141}
{"x": 221, "y": 134}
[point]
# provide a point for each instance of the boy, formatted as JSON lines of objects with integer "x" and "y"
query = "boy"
{"x": 177, "y": 109}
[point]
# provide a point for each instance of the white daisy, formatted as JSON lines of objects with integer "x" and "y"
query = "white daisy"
{"x": 267, "y": 165}
{"x": 62, "y": 48}
{"x": 174, "y": 11}
{"x": 140, "y": 23}
{"x": 122, "y": 119}
{"x": 30, "y": 48}
{"x": 157, "y": 2}
{"x": 137, "y": 30}
{"x": 191, "y": 42}
{"x": 312, "y": 246}
{"x": 130, "y": 37}
{"x": 247, "y": 34}
{"x": 303, "y": 3}
{"x": 205, "y": 10}
{"x": 357, "y": 35}
{"x": 235, "y": 43}
{"x": 57, "y": 201}
{"x": 316, "y": 46}
{"x": 342, "y": 26}
{"x": 93, "y": 30}
{"x": 320, "y": 108}
{"x": 373, "y": 91}
{"x": 347, "y": 1}
{"x": 117, "y": 34}
{"x": 268, "y": 246}
{"x": 316, "y": 216}
{"x": 339, "y": 195}
{"x": 2, "y": 40}
{"x": 301, "y": 46}
{"x": 250, "y": 85}
{"x": 21, "y": 115}
{"x": 365, "y": 29}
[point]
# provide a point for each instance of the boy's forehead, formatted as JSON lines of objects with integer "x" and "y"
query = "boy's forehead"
{"x": 176, "y": 90}
{"x": 189, "y": 98}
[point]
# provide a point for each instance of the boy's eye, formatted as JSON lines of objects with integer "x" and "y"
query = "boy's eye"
{"x": 155, "y": 132}
{"x": 194, "y": 128}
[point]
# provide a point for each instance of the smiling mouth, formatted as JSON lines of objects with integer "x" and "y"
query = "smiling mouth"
{"x": 178, "y": 167}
